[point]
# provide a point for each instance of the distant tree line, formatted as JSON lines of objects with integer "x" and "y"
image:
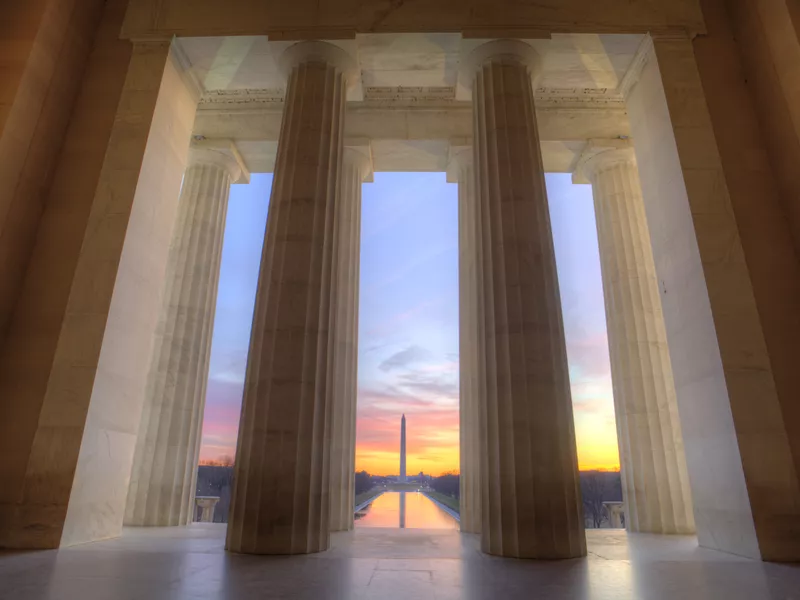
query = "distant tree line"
{"x": 447, "y": 483}
{"x": 597, "y": 487}
{"x": 364, "y": 482}
{"x": 224, "y": 460}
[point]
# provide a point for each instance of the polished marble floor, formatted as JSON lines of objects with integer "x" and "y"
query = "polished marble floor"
{"x": 390, "y": 564}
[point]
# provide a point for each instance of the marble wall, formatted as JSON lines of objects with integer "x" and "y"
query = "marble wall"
{"x": 719, "y": 492}
{"x": 758, "y": 199}
{"x": 78, "y": 463}
{"x": 41, "y": 74}
{"x": 770, "y": 53}
{"x": 26, "y": 357}
{"x": 404, "y": 123}
{"x": 134, "y": 212}
{"x": 337, "y": 19}
{"x": 736, "y": 444}
{"x": 83, "y": 239}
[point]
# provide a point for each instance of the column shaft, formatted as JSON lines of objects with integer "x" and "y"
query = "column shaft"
{"x": 655, "y": 480}
{"x": 469, "y": 433}
{"x": 281, "y": 499}
{"x": 161, "y": 491}
{"x": 531, "y": 502}
{"x": 344, "y": 341}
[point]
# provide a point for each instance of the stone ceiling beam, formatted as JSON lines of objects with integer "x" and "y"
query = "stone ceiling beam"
{"x": 411, "y": 138}
{"x": 408, "y": 123}
{"x": 306, "y": 19}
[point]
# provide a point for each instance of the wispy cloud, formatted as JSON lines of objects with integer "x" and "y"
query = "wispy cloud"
{"x": 424, "y": 386}
{"x": 408, "y": 359}
{"x": 435, "y": 384}
{"x": 404, "y": 358}
{"x": 374, "y": 348}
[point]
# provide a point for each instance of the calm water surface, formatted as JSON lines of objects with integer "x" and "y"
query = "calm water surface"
{"x": 410, "y": 510}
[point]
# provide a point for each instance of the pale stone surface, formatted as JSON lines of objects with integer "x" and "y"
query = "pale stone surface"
{"x": 83, "y": 447}
{"x": 281, "y": 497}
{"x": 41, "y": 77}
{"x": 469, "y": 426}
{"x": 412, "y": 104}
{"x": 30, "y": 345}
{"x": 755, "y": 193}
{"x": 411, "y": 67}
{"x": 207, "y": 505}
{"x": 102, "y": 474}
{"x": 500, "y": 18}
{"x": 655, "y": 483}
{"x": 182, "y": 563}
{"x": 164, "y": 470}
{"x": 768, "y": 33}
{"x": 744, "y": 485}
{"x": 616, "y": 514}
{"x": 719, "y": 495}
{"x": 409, "y": 138}
{"x": 344, "y": 339}
{"x": 720, "y": 284}
{"x": 530, "y": 500}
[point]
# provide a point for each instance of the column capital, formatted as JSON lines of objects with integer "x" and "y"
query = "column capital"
{"x": 595, "y": 159}
{"x": 318, "y": 51}
{"x": 631, "y": 77}
{"x": 459, "y": 157}
{"x": 221, "y": 153}
{"x": 361, "y": 158}
{"x": 504, "y": 50}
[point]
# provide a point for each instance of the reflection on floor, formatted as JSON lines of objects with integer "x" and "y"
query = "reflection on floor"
{"x": 412, "y": 510}
{"x": 389, "y": 564}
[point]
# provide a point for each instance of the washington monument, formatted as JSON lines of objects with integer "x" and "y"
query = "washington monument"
{"x": 402, "y": 478}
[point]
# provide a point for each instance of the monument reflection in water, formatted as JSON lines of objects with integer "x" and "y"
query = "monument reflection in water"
{"x": 406, "y": 510}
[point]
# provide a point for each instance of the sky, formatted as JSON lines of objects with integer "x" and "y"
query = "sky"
{"x": 408, "y": 321}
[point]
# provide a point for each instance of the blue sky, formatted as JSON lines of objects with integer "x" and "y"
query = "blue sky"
{"x": 408, "y": 320}
{"x": 408, "y": 326}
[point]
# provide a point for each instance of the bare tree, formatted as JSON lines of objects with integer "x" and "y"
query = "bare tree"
{"x": 223, "y": 460}
{"x": 593, "y": 487}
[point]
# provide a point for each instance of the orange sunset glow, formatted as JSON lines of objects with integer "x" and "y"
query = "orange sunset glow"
{"x": 408, "y": 323}
{"x": 431, "y": 436}
{"x": 432, "y": 443}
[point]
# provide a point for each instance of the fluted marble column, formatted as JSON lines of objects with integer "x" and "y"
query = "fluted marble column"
{"x": 530, "y": 500}
{"x": 344, "y": 341}
{"x": 281, "y": 496}
{"x": 469, "y": 433}
{"x": 655, "y": 481}
{"x": 163, "y": 476}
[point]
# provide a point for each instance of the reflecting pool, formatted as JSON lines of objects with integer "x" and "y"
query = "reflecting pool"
{"x": 406, "y": 510}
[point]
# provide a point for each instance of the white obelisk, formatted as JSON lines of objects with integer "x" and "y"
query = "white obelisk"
{"x": 402, "y": 478}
